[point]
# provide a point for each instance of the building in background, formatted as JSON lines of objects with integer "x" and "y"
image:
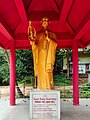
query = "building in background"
{"x": 83, "y": 65}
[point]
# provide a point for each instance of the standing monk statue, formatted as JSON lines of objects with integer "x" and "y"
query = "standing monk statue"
{"x": 44, "y": 50}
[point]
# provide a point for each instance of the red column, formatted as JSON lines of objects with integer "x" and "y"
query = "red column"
{"x": 75, "y": 73}
{"x": 12, "y": 72}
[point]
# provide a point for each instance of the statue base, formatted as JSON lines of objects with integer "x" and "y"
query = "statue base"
{"x": 44, "y": 105}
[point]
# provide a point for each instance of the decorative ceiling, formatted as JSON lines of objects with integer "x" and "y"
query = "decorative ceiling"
{"x": 69, "y": 19}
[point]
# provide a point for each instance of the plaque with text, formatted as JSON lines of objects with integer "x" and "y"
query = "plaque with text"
{"x": 45, "y": 104}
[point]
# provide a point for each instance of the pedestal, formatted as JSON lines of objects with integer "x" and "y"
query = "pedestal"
{"x": 45, "y": 105}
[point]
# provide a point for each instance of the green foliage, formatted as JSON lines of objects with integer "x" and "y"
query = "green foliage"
{"x": 28, "y": 80}
{"x": 60, "y": 80}
{"x": 60, "y": 54}
{"x": 84, "y": 94}
{"x": 88, "y": 50}
{"x": 65, "y": 93}
{"x": 24, "y": 65}
{"x": 85, "y": 91}
{"x": 85, "y": 87}
{"x": 4, "y": 69}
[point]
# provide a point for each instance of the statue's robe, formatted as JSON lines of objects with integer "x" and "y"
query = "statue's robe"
{"x": 44, "y": 58}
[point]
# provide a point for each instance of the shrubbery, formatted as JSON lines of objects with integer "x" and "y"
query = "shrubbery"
{"x": 61, "y": 80}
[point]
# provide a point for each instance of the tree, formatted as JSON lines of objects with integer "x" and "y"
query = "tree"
{"x": 68, "y": 55}
{"x": 60, "y": 54}
{"x": 24, "y": 65}
{"x": 4, "y": 68}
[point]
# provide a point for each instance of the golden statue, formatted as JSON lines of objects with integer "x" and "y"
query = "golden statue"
{"x": 44, "y": 50}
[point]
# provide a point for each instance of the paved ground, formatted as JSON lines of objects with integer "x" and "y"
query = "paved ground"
{"x": 70, "y": 112}
{"x": 21, "y": 110}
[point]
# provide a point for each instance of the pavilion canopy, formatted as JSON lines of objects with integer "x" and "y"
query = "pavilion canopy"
{"x": 69, "y": 19}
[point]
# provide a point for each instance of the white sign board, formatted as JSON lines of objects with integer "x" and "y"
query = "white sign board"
{"x": 45, "y": 105}
{"x": 81, "y": 69}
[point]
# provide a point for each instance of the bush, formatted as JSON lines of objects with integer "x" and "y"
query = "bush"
{"x": 61, "y": 80}
{"x": 85, "y": 91}
{"x": 28, "y": 80}
{"x": 85, "y": 87}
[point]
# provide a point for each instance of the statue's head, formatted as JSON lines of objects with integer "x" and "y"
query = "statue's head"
{"x": 45, "y": 22}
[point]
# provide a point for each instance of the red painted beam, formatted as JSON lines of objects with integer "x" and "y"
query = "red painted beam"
{"x": 65, "y": 10}
{"x": 68, "y": 44}
{"x": 3, "y": 40}
{"x": 4, "y": 31}
{"x": 30, "y": 7}
{"x": 69, "y": 28}
{"x": 64, "y": 13}
{"x": 1, "y": 45}
{"x": 55, "y": 7}
{"x": 22, "y": 12}
{"x": 87, "y": 44}
{"x": 63, "y": 35}
{"x": 20, "y": 44}
{"x": 52, "y": 2}
{"x": 59, "y": 35}
{"x": 5, "y": 28}
{"x": 64, "y": 43}
{"x": 83, "y": 27}
{"x": 86, "y": 38}
{"x": 24, "y": 44}
{"x": 38, "y": 15}
{"x": 81, "y": 44}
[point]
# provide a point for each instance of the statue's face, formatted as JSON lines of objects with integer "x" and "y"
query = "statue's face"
{"x": 45, "y": 23}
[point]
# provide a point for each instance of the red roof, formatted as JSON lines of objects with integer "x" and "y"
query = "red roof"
{"x": 69, "y": 19}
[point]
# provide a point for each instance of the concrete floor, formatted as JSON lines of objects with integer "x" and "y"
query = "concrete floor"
{"x": 21, "y": 110}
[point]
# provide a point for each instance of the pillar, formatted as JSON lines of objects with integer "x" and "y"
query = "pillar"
{"x": 75, "y": 73}
{"x": 12, "y": 72}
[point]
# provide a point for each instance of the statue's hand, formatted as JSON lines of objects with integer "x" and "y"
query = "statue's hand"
{"x": 46, "y": 35}
{"x": 31, "y": 32}
{"x": 31, "y": 38}
{"x": 47, "y": 38}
